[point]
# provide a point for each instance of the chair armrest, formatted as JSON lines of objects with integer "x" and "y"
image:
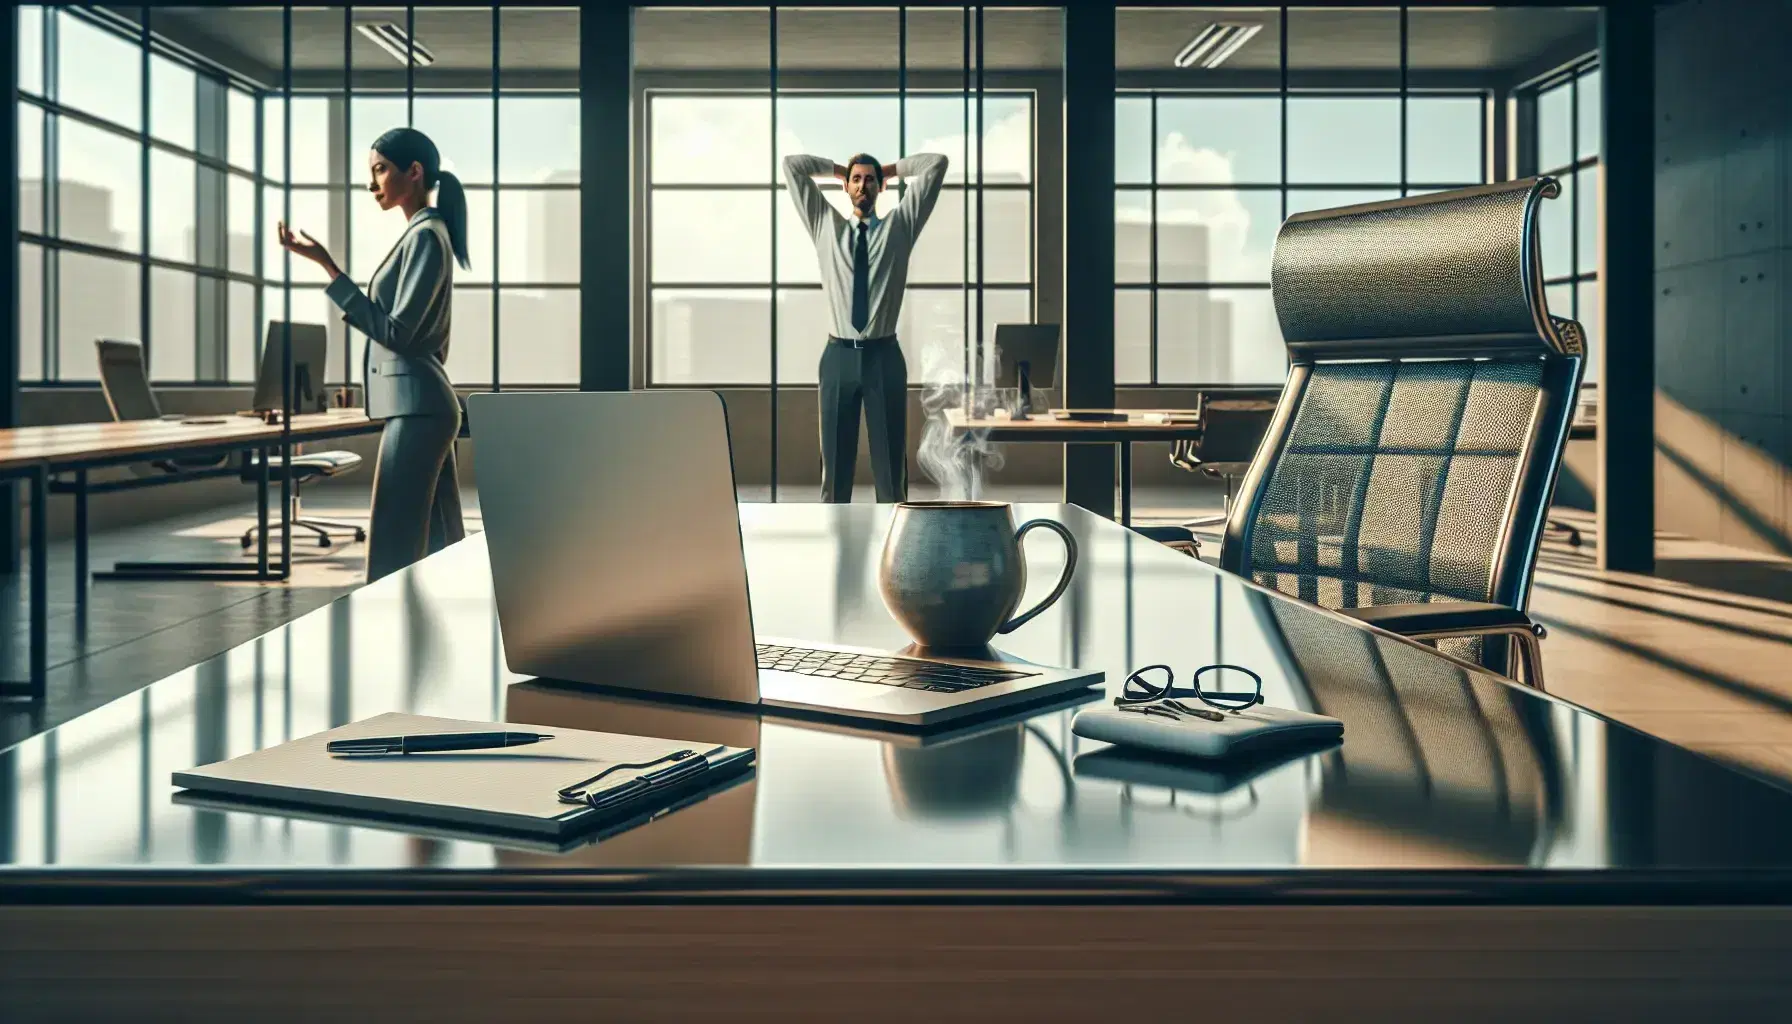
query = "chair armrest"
{"x": 1166, "y": 534}
{"x": 1465, "y": 618}
{"x": 1179, "y": 538}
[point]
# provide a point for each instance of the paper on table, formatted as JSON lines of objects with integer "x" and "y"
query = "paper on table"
{"x": 514, "y": 787}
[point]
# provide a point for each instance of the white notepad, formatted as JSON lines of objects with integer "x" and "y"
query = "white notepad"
{"x": 513, "y": 789}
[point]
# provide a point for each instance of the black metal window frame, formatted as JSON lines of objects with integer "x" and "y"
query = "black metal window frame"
{"x": 346, "y": 94}
{"x": 261, "y": 278}
{"x": 775, "y": 188}
{"x": 496, "y": 187}
{"x": 49, "y": 241}
{"x": 1154, "y": 287}
{"x": 1581, "y": 169}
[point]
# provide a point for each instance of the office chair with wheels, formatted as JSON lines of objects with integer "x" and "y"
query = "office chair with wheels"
{"x": 303, "y": 467}
{"x": 124, "y": 380}
{"x": 1232, "y": 426}
{"x": 1585, "y": 427}
{"x": 1407, "y": 473}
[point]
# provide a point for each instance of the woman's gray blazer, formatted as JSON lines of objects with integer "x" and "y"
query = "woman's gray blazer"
{"x": 407, "y": 346}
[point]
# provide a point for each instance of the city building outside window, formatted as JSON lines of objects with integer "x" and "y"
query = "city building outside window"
{"x": 713, "y": 198}
{"x": 149, "y": 214}
{"x": 1204, "y": 185}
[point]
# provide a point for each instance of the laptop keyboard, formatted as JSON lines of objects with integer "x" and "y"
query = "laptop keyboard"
{"x": 870, "y": 668}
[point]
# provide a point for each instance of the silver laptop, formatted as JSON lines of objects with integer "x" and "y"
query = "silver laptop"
{"x": 617, "y": 561}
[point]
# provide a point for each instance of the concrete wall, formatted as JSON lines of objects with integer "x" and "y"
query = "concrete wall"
{"x": 1723, "y": 270}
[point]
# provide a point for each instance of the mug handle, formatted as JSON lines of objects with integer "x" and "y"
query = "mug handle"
{"x": 1063, "y": 581}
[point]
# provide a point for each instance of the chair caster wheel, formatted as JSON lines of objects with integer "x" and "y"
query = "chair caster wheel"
{"x": 247, "y": 543}
{"x": 323, "y": 542}
{"x": 360, "y": 535}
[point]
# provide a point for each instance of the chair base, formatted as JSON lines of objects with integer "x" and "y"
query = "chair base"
{"x": 1559, "y": 526}
{"x": 325, "y": 531}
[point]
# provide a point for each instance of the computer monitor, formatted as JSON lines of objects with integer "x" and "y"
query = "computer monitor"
{"x": 1026, "y": 356}
{"x": 310, "y": 347}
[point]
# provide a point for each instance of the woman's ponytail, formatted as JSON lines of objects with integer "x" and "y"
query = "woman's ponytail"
{"x": 451, "y": 201}
{"x": 407, "y": 146}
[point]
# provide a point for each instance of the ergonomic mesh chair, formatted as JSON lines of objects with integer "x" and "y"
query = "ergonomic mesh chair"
{"x": 1407, "y": 473}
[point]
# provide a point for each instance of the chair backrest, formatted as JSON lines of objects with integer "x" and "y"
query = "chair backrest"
{"x": 1415, "y": 448}
{"x": 124, "y": 377}
{"x": 1232, "y": 426}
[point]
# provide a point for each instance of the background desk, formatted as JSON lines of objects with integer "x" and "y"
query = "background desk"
{"x": 38, "y": 453}
{"x": 1120, "y": 433}
{"x": 1473, "y": 844}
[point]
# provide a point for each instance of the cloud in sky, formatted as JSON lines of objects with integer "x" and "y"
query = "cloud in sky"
{"x": 1007, "y": 149}
{"x": 1234, "y": 231}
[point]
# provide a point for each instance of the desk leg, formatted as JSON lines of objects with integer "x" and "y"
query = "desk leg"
{"x": 257, "y": 571}
{"x": 39, "y": 595}
{"x": 1125, "y": 483}
{"x": 81, "y": 545}
{"x": 40, "y": 581}
{"x": 261, "y": 516}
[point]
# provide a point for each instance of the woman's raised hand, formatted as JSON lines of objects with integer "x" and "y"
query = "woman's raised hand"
{"x": 301, "y": 244}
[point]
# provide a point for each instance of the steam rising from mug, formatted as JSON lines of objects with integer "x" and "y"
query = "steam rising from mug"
{"x": 955, "y": 464}
{"x": 403, "y": 147}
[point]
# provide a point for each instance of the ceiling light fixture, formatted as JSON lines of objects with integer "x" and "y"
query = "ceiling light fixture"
{"x": 1213, "y": 44}
{"x": 392, "y": 39}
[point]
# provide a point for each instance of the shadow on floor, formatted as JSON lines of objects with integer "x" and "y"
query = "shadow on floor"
{"x": 1768, "y": 579}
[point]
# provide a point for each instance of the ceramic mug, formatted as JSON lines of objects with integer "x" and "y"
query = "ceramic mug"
{"x": 952, "y": 572}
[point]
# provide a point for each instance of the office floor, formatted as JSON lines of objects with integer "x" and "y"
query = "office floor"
{"x": 1693, "y": 654}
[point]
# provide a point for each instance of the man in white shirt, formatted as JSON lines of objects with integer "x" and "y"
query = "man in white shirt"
{"x": 864, "y": 272}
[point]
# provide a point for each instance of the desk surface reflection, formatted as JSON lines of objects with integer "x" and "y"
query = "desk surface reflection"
{"x": 1450, "y": 785}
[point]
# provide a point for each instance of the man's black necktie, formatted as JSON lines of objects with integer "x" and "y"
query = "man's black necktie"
{"x": 861, "y": 280}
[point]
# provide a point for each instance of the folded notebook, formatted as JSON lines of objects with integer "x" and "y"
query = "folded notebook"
{"x": 1142, "y": 767}
{"x": 508, "y": 791}
{"x": 1254, "y": 731}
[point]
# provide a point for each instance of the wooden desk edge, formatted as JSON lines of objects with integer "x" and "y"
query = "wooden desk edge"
{"x": 949, "y": 963}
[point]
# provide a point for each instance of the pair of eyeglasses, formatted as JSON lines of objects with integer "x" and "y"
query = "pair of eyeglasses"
{"x": 1152, "y": 690}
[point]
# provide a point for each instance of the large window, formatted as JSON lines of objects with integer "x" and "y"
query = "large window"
{"x": 713, "y": 200}
{"x": 149, "y": 191}
{"x": 1204, "y": 185}
{"x": 516, "y": 308}
{"x": 119, "y": 202}
{"x": 1567, "y": 148}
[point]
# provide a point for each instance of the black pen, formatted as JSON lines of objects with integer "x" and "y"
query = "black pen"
{"x": 426, "y": 743}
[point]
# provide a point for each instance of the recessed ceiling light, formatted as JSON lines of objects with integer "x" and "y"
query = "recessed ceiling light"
{"x": 394, "y": 40}
{"x": 1213, "y": 44}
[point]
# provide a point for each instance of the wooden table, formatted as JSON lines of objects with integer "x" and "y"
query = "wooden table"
{"x": 1175, "y": 425}
{"x": 36, "y": 454}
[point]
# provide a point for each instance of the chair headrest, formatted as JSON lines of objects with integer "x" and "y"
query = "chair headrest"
{"x": 1452, "y": 274}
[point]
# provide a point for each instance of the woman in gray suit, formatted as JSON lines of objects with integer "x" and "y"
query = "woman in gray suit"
{"x": 405, "y": 315}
